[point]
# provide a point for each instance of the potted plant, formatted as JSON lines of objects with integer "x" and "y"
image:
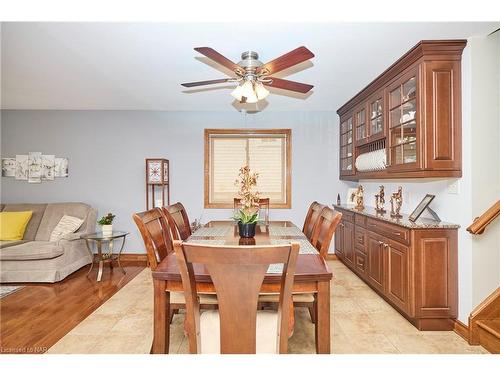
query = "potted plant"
{"x": 106, "y": 222}
{"x": 247, "y": 216}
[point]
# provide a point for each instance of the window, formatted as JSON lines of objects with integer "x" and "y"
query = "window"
{"x": 266, "y": 152}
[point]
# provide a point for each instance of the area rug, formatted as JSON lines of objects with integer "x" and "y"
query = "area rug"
{"x": 5, "y": 290}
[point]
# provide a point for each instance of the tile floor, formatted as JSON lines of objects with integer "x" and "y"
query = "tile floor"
{"x": 362, "y": 322}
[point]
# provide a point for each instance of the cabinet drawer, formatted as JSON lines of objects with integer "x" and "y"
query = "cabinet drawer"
{"x": 388, "y": 230}
{"x": 360, "y": 220}
{"x": 347, "y": 216}
{"x": 360, "y": 239}
{"x": 360, "y": 262}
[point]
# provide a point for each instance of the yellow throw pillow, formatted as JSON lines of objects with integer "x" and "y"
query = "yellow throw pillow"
{"x": 13, "y": 225}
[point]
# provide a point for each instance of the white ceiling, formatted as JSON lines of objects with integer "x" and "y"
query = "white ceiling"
{"x": 139, "y": 66}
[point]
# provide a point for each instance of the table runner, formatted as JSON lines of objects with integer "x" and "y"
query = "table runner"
{"x": 274, "y": 231}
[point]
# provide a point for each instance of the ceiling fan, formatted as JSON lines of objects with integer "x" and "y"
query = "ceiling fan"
{"x": 252, "y": 75}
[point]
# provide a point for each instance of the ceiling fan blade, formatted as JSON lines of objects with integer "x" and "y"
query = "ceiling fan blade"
{"x": 218, "y": 58}
{"x": 288, "y": 85}
{"x": 202, "y": 83}
{"x": 287, "y": 60}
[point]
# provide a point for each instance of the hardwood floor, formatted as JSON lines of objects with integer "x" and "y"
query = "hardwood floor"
{"x": 36, "y": 317}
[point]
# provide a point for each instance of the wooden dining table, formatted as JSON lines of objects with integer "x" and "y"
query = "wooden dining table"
{"x": 312, "y": 275}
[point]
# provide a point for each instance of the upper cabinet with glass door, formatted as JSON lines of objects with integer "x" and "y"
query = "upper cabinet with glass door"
{"x": 411, "y": 114}
{"x": 403, "y": 121}
{"x": 346, "y": 147}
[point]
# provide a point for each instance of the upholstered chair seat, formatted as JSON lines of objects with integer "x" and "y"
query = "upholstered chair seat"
{"x": 266, "y": 333}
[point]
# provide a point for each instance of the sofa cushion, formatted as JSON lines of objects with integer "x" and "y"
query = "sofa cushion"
{"x": 4, "y": 244}
{"x": 36, "y": 218}
{"x": 31, "y": 250}
{"x": 67, "y": 225}
{"x": 53, "y": 214}
{"x": 13, "y": 225}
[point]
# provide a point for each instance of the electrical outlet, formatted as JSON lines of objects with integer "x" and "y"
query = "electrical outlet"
{"x": 453, "y": 187}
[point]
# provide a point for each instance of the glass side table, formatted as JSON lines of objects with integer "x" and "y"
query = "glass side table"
{"x": 98, "y": 238}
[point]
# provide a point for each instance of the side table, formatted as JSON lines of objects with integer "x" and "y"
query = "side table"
{"x": 98, "y": 238}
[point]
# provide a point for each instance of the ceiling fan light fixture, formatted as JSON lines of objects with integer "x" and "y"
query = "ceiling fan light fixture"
{"x": 261, "y": 91}
{"x": 247, "y": 90}
{"x": 237, "y": 93}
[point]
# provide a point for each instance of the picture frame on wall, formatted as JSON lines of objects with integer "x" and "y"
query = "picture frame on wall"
{"x": 424, "y": 204}
{"x": 61, "y": 167}
{"x": 21, "y": 167}
{"x": 34, "y": 167}
{"x": 48, "y": 167}
{"x": 8, "y": 167}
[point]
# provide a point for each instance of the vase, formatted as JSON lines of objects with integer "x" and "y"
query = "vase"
{"x": 247, "y": 230}
{"x": 107, "y": 230}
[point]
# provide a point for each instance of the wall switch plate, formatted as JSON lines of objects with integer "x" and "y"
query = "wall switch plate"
{"x": 453, "y": 187}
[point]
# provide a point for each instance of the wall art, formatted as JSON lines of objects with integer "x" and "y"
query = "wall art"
{"x": 8, "y": 167}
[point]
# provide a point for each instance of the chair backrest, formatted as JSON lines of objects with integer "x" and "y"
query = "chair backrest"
{"x": 179, "y": 215}
{"x": 263, "y": 204}
{"x": 312, "y": 219}
{"x": 323, "y": 232}
{"x": 156, "y": 234}
{"x": 237, "y": 274}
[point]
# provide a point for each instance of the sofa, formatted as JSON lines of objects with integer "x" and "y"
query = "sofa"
{"x": 35, "y": 258}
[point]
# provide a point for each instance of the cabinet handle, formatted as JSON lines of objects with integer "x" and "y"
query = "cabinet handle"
{"x": 341, "y": 225}
{"x": 385, "y": 245}
{"x": 396, "y": 233}
{"x": 381, "y": 243}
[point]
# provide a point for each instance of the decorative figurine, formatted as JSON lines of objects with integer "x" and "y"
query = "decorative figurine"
{"x": 358, "y": 195}
{"x": 380, "y": 201}
{"x": 397, "y": 198}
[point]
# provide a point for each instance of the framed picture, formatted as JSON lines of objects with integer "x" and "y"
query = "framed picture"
{"x": 424, "y": 203}
{"x": 35, "y": 167}
{"x": 8, "y": 167}
{"x": 21, "y": 167}
{"x": 48, "y": 167}
{"x": 61, "y": 167}
{"x": 351, "y": 192}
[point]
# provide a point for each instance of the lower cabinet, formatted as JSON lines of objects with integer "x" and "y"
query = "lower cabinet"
{"x": 375, "y": 271}
{"x": 349, "y": 242}
{"x": 414, "y": 269}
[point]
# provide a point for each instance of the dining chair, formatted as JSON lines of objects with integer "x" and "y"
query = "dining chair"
{"x": 263, "y": 203}
{"x": 237, "y": 273}
{"x": 312, "y": 219}
{"x": 158, "y": 236}
{"x": 179, "y": 216}
{"x": 324, "y": 230}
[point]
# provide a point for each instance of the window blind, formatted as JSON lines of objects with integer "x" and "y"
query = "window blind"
{"x": 265, "y": 154}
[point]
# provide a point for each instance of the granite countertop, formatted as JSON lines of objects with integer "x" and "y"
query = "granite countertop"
{"x": 421, "y": 223}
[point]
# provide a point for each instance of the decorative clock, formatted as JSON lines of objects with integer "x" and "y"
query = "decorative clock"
{"x": 157, "y": 171}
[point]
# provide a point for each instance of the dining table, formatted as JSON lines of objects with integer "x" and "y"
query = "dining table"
{"x": 312, "y": 275}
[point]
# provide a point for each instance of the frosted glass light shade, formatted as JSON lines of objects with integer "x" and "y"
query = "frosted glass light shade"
{"x": 236, "y": 93}
{"x": 261, "y": 91}
{"x": 248, "y": 92}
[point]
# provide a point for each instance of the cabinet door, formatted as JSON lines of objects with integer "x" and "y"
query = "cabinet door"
{"x": 375, "y": 268}
{"x": 376, "y": 125}
{"x": 348, "y": 242}
{"x": 442, "y": 115}
{"x": 339, "y": 240}
{"x": 361, "y": 125}
{"x": 397, "y": 271}
{"x": 346, "y": 146}
{"x": 404, "y": 123}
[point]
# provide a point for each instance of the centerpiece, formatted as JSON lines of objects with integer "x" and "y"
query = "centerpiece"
{"x": 248, "y": 215}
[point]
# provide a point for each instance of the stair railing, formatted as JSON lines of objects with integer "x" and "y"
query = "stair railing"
{"x": 481, "y": 222}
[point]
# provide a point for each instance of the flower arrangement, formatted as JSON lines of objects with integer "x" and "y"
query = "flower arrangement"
{"x": 249, "y": 213}
{"x": 106, "y": 220}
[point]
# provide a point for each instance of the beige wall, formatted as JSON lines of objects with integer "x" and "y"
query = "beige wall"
{"x": 485, "y": 160}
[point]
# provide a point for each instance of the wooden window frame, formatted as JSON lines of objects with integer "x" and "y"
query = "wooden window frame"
{"x": 288, "y": 161}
